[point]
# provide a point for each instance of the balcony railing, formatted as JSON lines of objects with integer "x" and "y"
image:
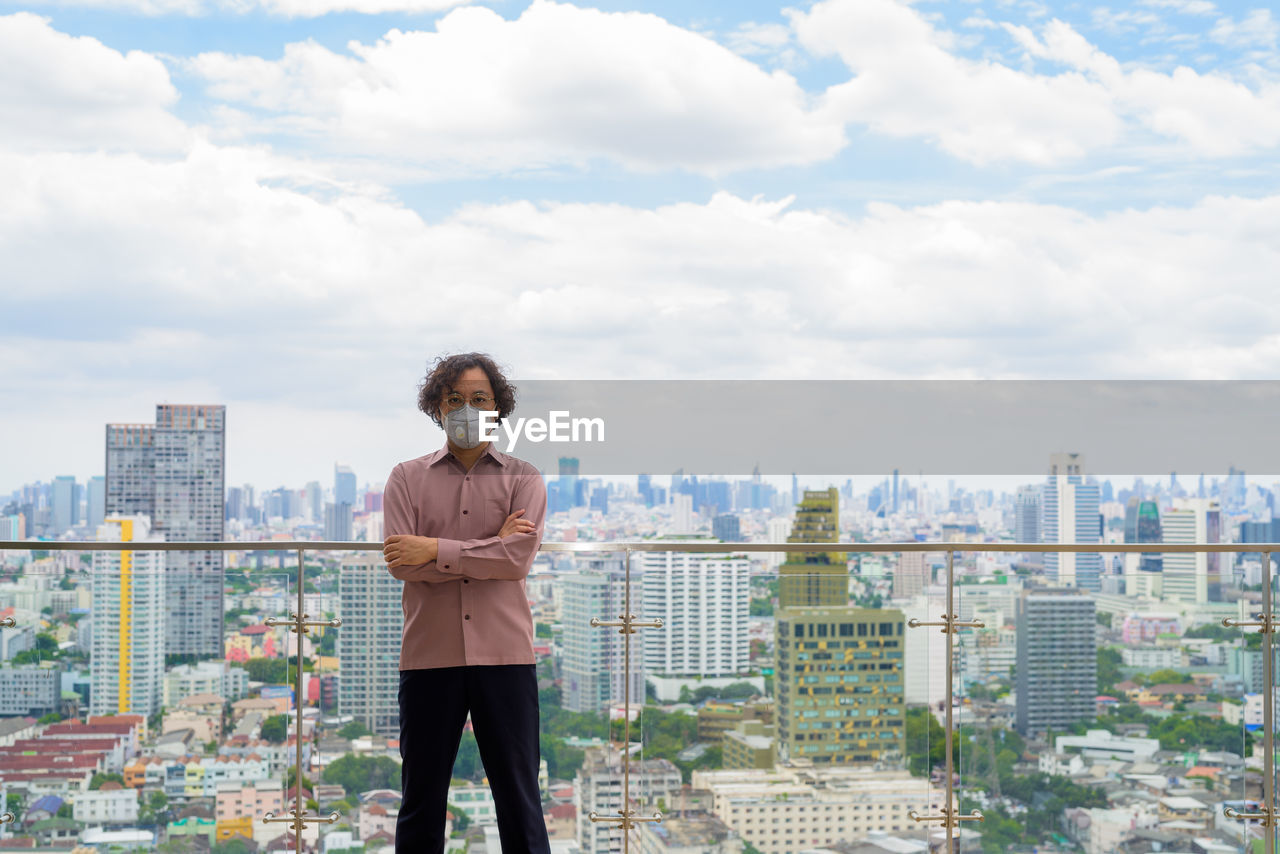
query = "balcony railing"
{"x": 949, "y": 817}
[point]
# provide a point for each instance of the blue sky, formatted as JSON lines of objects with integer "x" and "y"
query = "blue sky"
{"x": 290, "y": 206}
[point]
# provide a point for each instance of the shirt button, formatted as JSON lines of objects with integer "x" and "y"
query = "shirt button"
{"x": 466, "y": 581}
{"x": 446, "y": 566}
{"x": 467, "y": 617}
{"x": 464, "y": 512}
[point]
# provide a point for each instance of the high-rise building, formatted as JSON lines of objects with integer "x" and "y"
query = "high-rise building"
{"x": 313, "y": 502}
{"x": 726, "y": 528}
{"x": 1057, "y": 664}
{"x": 839, "y": 681}
{"x": 1142, "y": 571}
{"x": 1069, "y": 514}
{"x": 126, "y": 669}
{"x": 911, "y": 576}
{"x": 369, "y": 643}
{"x": 174, "y": 473}
{"x": 814, "y": 578}
{"x": 338, "y": 522}
{"x": 778, "y": 529}
{"x": 344, "y": 485}
{"x": 1192, "y": 577}
{"x": 96, "y": 504}
{"x": 592, "y": 664}
{"x": 64, "y": 508}
{"x": 703, "y": 602}
{"x": 1026, "y": 518}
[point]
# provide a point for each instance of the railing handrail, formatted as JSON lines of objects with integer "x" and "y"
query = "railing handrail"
{"x": 647, "y": 546}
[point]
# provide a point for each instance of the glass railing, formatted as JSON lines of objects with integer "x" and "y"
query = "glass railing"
{"x": 692, "y": 695}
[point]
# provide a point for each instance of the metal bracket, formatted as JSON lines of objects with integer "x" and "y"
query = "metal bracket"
{"x": 949, "y": 817}
{"x": 8, "y": 623}
{"x": 300, "y": 822}
{"x": 629, "y": 625}
{"x": 1265, "y": 818}
{"x": 302, "y": 625}
{"x": 7, "y": 818}
{"x": 949, "y": 624}
{"x": 1266, "y": 623}
{"x": 626, "y": 820}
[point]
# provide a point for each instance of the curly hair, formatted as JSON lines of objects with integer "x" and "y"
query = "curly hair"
{"x": 440, "y": 380}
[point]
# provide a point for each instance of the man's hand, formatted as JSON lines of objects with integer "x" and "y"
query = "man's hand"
{"x": 516, "y": 526}
{"x": 408, "y": 550}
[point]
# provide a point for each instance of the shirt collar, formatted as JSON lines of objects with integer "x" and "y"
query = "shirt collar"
{"x": 444, "y": 453}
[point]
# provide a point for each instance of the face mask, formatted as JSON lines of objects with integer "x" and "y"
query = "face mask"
{"x": 462, "y": 426}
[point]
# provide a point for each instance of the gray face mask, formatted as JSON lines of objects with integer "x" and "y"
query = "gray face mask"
{"x": 462, "y": 426}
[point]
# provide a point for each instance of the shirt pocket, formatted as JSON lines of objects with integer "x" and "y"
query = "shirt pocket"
{"x": 495, "y": 514}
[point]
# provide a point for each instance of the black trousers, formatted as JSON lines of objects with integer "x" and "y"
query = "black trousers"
{"x": 503, "y": 702}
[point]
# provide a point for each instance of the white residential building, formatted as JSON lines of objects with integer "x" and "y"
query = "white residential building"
{"x": 597, "y": 787}
{"x": 112, "y": 804}
{"x": 703, "y": 602}
{"x": 369, "y": 643}
{"x": 126, "y": 669}
{"x": 796, "y": 806}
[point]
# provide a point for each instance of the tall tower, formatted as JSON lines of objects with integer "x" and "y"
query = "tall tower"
{"x": 1057, "y": 665}
{"x": 1069, "y": 514}
{"x": 126, "y": 669}
{"x": 369, "y": 643}
{"x": 593, "y": 669}
{"x": 703, "y": 602}
{"x": 1026, "y": 520}
{"x": 1194, "y": 578}
{"x": 839, "y": 678}
{"x": 814, "y": 578}
{"x": 173, "y": 472}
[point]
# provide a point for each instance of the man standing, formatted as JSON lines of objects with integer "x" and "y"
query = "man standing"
{"x": 464, "y": 524}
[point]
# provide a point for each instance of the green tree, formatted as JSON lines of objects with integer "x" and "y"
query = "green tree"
{"x": 96, "y": 781}
{"x": 1109, "y": 660}
{"x": 355, "y": 729}
{"x": 357, "y": 774}
{"x": 923, "y": 728}
{"x": 272, "y": 671}
{"x": 275, "y": 729}
{"x": 1168, "y": 676}
{"x": 460, "y": 820}
{"x": 467, "y": 765}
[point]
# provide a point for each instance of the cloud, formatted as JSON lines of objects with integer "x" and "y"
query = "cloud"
{"x": 284, "y": 8}
{"x": 1258, "y": 29}
{"x": 910, "y": 81}
{"x": 559, "y": 85}
{"x": 66, "y": 92}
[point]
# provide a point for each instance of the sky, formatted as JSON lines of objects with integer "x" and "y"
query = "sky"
{"x": 290, "y": 207}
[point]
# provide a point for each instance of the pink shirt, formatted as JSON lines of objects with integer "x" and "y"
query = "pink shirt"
{"x": 468, "y": 606}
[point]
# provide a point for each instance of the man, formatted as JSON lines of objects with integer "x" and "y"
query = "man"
{"x": 464, "y": 524}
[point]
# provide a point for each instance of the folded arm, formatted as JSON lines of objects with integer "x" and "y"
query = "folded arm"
{"x": 499, "y": 557}
{"x": 397, "y": 512}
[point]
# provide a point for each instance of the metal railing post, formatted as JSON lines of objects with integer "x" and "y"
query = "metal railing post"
{"x": 299, "y": 625}
{"x": 950, "y": 624}
{"x": 626, "y": 817}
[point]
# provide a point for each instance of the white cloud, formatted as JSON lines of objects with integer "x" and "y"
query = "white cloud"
{"x": 65, "y": 92}
{"x": 909, "y": 81}
{"x": 1186, "y": 7}
{"x": 284, "y": 8}
{"x": 559, "y": 85}
{"x": 1258, "y": 29}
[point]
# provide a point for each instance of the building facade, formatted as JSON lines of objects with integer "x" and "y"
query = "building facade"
{"x": 126, "y": 668}
{"x": 369, "y": 643}
{"x": 703, "y": 602}
{"x": 1057, "y": 669}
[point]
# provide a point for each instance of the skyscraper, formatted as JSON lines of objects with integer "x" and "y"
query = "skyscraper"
{"x": 1142, "y": 571}
{"x": 726, "y": 528}
{"x": 1057, "y": 665}
{"x": 369, "y": 643}
{"x": 126, "y": 669}
{"x": 592, "y": 665}
{"x": 703, "y": 602}
{"x": 1069, "y": 514}
{"x": 814, "y": 578}
{"x": 1026, "y": 519}
{"x": 96, "y": 503}
{"x": 839, "y": 677}
{"x": 173, "y": 472}
{"x": 1194, "y": 578}
{"x": 65, "y": 516}
{"x": 344, "y": 485}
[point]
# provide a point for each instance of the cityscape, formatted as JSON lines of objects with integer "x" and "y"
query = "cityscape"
{"x": 788, "y": 702}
